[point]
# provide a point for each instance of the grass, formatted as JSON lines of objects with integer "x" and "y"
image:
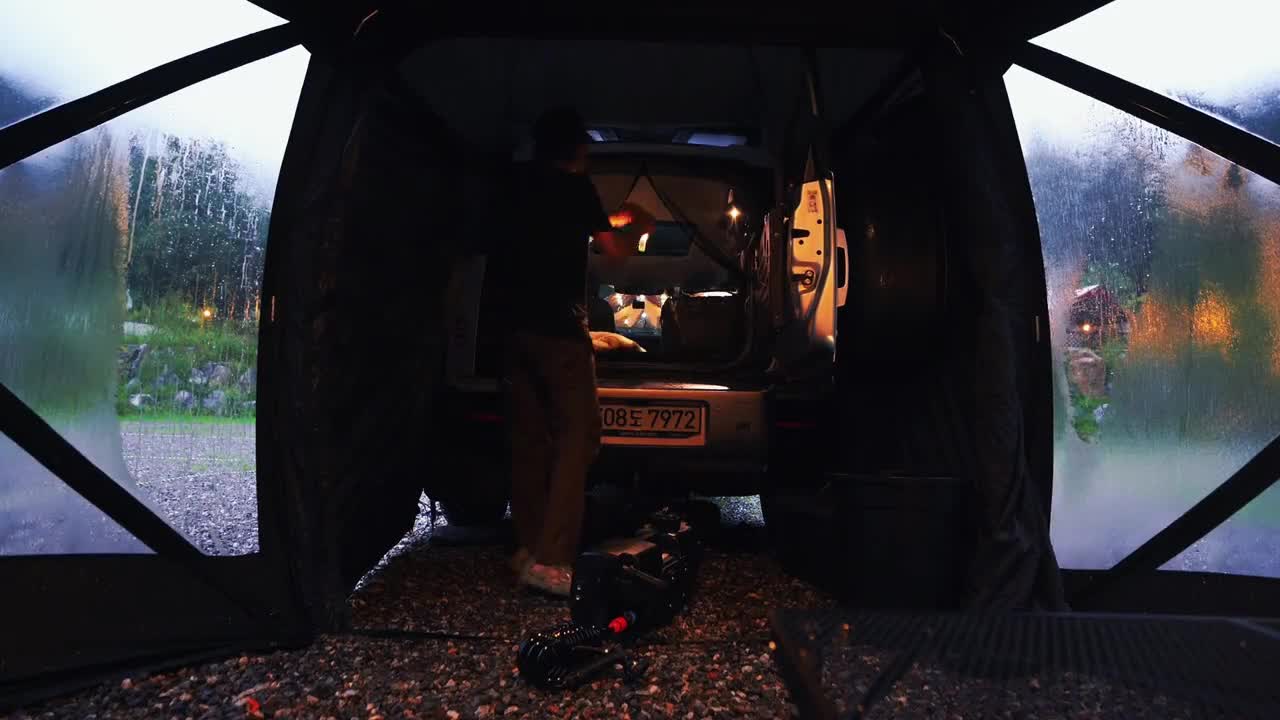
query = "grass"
{"x": 160, "y": 417}
{"x": 1082, "y": 418}
{"x": 181, "y": 342}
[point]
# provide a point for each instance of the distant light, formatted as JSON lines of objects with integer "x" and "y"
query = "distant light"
{"x": 1087, "y": 328}
{"x": 595, "y": 135}
{"x": 735, "y": 213}
{"x": 640, "y": 298}
{"x": 644, "y": 240}
{"x": 713, "y": 293}
{"x": 207, "y": 313}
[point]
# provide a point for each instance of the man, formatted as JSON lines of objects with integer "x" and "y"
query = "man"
{"x": 550, "y": 369}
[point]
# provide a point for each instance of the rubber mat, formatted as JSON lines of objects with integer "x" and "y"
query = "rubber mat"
{"x": 859, "y": 664}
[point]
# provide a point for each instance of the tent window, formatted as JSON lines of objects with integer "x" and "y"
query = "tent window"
{"x": 54, "y": 51}
{"x": 130, "y": 273}
{"x": 41, "y": 515}
{"x": 1163, "y": 270}
{"x": 1219, "y": 57}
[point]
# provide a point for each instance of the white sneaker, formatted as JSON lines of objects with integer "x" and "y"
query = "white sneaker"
{"x": 552, "y": 579}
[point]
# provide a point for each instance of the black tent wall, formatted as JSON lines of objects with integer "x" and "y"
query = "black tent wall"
{"x": 358, "y": 268}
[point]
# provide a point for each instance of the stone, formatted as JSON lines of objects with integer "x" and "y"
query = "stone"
{"x": 198, "y": 377}
{"x": 249, "y": 381}
{"x": 166, "y": 378}
{"x": 217, "y": 375}
{"x": 141, "y": 401}
{"x": 216, "y": 401}
{"x": 1100, "y": 413}
{"x": 1087, "y": 371}
{"x": 131, "y": 359}
{"x": 184, "y": 400}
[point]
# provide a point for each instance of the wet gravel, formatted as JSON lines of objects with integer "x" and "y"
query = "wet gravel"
{"x": 712, "y": 663}
{"x": 201, "y": 477}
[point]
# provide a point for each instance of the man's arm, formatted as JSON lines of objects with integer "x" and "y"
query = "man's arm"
{"x": 626, "y": 229}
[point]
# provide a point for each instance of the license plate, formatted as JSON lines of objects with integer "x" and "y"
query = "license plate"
{"x": 654, "y": 423}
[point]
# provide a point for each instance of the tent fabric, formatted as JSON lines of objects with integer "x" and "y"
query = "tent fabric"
{"x": 371, "y": 199}
{"x": 358, "y": 340}
{"x": 1014, "y": 564}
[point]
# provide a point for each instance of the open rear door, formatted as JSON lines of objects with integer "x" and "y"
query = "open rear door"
{"x": 817, "y": 261}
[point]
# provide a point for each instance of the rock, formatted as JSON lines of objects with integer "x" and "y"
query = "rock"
{"x": 167, "y": 378}
{"x": 1087, "y": 372}
{"x": 249, "y": 381}
{"x": 141, "y": 401}
{"x": 216, "y": 401}
{"x": 217, "y": 374}
{"x": 184, "y": 400}
{"x": 131, "y": 359}
{"x": 132, "y": 385}
{"x": 1100, "y": 412}
{"x": 198, "y": 377}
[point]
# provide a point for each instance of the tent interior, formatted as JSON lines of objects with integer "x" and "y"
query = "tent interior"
{"x": 395, "y": 169}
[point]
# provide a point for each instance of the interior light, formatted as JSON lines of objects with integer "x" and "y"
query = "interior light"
{"x": 735, "y": 213}
{"x": 627, "y": 322}
{"x": 644, "y": 240}
{"x": 641, "y": 298}
{"x": 617, "y": 297}
{"x": 663, "y": 299}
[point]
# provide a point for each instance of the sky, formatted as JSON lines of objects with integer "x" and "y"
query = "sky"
{"x": 1224, "y": 50}
{"x": 68, "y": 48}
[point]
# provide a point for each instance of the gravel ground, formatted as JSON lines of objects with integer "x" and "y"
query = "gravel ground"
{"x": 712, "y": 663}
{"x": 202, "y": 478}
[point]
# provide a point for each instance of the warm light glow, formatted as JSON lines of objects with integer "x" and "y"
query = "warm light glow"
{"x": 1087, "y": 328}
{"x": 735, "y": 213}
{"x": 621, "y": 219}
{"x": 663, "y": 299}
{"x": 617, "y": 298}
{"x": 713, "y": 293}
{"x": 640, "y": 298}
{"x": 627, "y": 322}
{"x": 207, "y": 313}
{"x": 644, "y": 240}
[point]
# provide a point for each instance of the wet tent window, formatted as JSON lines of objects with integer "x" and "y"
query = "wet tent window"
{"x": 1163, "y": 269}
{"x": 1219, "y": 57}
{"x": 54, "y": 51}
{"x": 130, "y": 274}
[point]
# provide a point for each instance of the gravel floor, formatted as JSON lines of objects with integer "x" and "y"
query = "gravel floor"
{"x": 201, "y": 477}
{"x": 712, "y": 663}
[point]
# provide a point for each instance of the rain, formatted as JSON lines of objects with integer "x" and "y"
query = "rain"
{"x": 1163, "y": 269}
{"x": 131, "y": 261}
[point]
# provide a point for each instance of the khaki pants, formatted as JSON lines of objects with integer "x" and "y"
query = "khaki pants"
{"x": 555, "y": 436}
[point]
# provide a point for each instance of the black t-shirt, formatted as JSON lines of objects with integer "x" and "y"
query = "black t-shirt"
{"x": 546, "y": 248}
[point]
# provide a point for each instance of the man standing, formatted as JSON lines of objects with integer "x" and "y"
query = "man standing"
{"x": 554, "y": 416}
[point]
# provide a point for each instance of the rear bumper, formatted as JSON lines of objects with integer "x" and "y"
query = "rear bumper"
{"x": 749, "y": 429}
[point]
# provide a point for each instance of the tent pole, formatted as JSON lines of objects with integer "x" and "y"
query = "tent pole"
{"x": 33, "y": 134}
{"x": 1250, "y": 481}
{"x": 46, "y": 446}
{"x": 1239, "y": 146}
